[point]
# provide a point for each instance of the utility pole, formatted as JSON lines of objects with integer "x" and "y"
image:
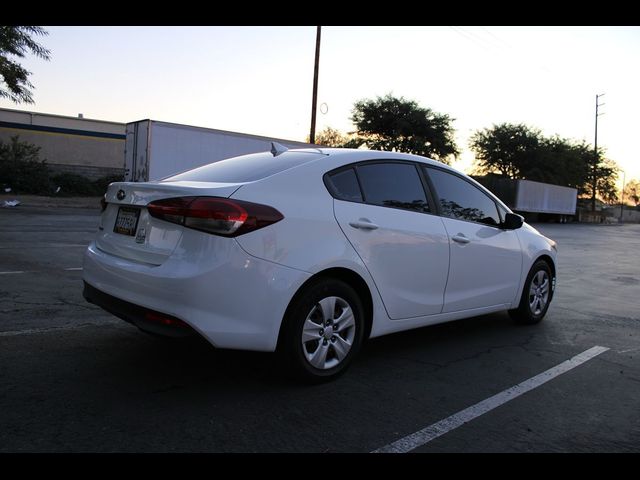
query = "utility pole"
{"x": 312, "y": 134}
{"x": 624, "y": 178}
{"x": 595, "y": 158}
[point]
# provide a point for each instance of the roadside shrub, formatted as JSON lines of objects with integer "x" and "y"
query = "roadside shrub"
{"x": 102, "y": 183}
{"x": 21, "y": 168}
{"x": 73, "y": 185}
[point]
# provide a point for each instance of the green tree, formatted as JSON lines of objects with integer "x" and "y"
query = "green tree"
{"x": 330, "y": 137}
{"x": 508, "y": 149}
{"x": 562, "y": 162}
{"x": 396, "y": 124}
{"x": 16, "y": 41}
{"x": 519, "y": 151}
{"x": 606, "y": 173}
{"x": 632, "y": 191}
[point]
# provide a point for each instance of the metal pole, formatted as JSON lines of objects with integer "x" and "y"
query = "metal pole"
{"x": 595, "y": 159}
{"x": 624, "y": 178}
{"x": 595, "y": 163}
{"x": 314, "y": 102}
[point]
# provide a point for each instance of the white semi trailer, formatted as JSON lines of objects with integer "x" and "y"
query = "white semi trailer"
{"x": 535, "y": 200}
{"x": 545, "y": 198}
{"x": 154, "y": 150}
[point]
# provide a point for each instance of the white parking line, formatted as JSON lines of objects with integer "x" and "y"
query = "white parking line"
{"x": 73, "y": 269}
{"x": 11, "y": 273}
{"x": 456, "y": 420}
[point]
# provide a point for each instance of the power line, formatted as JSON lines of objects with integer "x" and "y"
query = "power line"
{"x": 500, "y": 40}
{"x": 466, "y": 35}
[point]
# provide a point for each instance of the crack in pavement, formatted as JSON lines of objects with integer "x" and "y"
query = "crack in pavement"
{"x": 604, "y": 316}
{"x": 33, "y": 331}
{"x": 439, "y": 366}
{"x": 59, "y": 303}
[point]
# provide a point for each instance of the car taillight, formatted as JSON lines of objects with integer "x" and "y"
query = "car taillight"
{"x": 220, "y": 216}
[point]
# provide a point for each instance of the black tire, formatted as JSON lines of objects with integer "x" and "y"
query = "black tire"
{"x": 529, "y": 310}
{"x": 306, "y": 306}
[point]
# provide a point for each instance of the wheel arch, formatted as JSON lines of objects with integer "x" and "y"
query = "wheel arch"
{"x": 349, "y": 277}
{"x": 550, "y": 262}
{"x": 552, "y": 265}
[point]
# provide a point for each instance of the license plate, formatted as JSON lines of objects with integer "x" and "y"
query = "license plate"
{"x": 127, "y": 221}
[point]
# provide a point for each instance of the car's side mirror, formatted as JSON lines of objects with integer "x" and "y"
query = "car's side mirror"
{"x": 512, "y": 221}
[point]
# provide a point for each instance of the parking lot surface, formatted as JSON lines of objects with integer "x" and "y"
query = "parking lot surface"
{"x": 75, "y": 379}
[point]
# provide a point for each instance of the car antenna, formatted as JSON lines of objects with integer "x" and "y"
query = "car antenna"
{"x": 277, "y": 149}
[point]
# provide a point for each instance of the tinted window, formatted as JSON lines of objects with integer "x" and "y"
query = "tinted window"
{"x": 247, "y": 168}
{"x": 345, "y": 185}
{"x": 461, "y": 200}
{"x": 393, "y": 185}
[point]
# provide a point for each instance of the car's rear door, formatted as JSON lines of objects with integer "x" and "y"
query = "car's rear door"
{"x": 384, "y": 211}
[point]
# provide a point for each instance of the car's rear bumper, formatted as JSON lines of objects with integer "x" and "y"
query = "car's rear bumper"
{"x": 144, "y": 318}
{"x": 232, "y": 299}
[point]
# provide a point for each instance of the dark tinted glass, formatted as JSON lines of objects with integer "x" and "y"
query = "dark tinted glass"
{"x": 345, "y": 186}
{"x": 461, "y": 200}
{"x": 393, "y": 185}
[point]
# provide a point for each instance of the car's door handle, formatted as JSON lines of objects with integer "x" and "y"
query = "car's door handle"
{"x": 364, "y": 224}
{"x": 460, "y": 238}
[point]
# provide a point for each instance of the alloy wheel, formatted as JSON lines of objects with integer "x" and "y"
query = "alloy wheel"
{"x": 328, "y": 333}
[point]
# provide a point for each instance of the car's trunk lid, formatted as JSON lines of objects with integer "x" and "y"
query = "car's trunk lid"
{"x": 128, "y": 231}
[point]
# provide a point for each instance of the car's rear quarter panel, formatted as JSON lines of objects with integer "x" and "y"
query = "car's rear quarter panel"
{"x": 308, "y": 238}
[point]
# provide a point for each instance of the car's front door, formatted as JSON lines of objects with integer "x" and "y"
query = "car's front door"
{"x": 486, "y": 260}
{"x": 383, "y": 210}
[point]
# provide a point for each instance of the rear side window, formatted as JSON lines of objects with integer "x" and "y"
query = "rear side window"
{"x": 461, "y": 200}
{"x": 396, "y": 185}
{"x": 345, "y": 185}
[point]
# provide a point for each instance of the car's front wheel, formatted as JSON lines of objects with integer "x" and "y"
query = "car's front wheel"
{"x": 536, "y": 295}
{"x": 323, "y": 330}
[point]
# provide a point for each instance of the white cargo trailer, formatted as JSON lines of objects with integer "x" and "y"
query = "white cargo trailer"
{"x": 154, "y": 150}
{"x": 537, "y": 201}
{"x": 545, "y": 198}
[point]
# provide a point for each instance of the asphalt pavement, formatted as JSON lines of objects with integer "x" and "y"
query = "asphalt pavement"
{"x": 73, "y": 378}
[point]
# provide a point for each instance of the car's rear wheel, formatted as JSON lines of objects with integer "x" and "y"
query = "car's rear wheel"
{"x": 536, "y": 295}
{"x": 323, "y": 331}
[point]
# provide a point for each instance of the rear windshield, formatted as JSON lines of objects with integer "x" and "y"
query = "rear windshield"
{"x": 247, "y": 168}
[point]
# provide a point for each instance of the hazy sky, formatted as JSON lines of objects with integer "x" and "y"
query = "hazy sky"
{"x": 259, "y": 79}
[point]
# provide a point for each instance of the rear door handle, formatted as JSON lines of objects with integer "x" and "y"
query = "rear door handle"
{"x": 364, "y": 224}
{"x": 460, "y": 238}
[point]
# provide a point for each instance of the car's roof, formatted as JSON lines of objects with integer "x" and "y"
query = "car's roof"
{"x": 350, "y": 155}
{"x": 255, "y": 167}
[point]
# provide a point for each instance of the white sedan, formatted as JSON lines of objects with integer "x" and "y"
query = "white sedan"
{"x": 309, "y": 252}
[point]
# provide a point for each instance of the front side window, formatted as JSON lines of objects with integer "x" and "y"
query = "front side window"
{"x": 461, "y": 200}
{"x": 395, "y": 185}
